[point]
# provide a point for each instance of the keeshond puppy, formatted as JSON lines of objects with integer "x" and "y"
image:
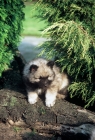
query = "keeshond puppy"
{"x": 43, "y": 76}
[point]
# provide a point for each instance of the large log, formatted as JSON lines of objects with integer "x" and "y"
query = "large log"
{"x": 14, "y": 106}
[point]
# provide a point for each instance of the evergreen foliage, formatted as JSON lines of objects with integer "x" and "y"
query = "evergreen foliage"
{"x": 72, "y": 42}
{"x": 11, "y": 16}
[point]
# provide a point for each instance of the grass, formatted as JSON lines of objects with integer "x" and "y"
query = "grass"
{"x": 16, "y": 129}
{"x": 42, "y": 110}
{"x": 33, "y": 26}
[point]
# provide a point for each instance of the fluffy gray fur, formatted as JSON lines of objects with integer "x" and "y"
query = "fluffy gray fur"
{"x": 43, "y": 76}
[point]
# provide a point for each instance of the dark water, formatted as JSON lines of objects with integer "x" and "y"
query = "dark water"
{"x": 28, "y": 47}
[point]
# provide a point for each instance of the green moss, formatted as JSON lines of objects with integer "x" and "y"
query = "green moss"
{"x": 13, "y": 101}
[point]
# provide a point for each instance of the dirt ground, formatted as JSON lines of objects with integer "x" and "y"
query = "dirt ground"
{"x": 8, "y": 132}
{"x": 18, "y": 118}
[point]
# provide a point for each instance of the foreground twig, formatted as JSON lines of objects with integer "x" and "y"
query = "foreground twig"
{"x": 84, "y": 128}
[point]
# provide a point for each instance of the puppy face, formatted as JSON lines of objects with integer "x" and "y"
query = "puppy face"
{"x": 42, "y": 74}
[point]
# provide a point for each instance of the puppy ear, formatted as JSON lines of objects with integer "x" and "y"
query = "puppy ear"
{"x": 50, "y": 64}
{"x": 33, "y": 68}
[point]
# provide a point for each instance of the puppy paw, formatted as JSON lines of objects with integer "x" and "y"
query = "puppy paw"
{"x": 32, "y": 99}
{"x": 50, "y": 103}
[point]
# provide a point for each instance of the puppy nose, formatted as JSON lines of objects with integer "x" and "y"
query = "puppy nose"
{"x": 46, "y": 84}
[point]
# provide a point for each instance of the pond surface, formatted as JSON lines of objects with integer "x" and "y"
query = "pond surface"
{"x": 28, "y": 47}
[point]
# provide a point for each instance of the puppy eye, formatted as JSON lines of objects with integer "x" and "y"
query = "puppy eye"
{"x": 43, "y": 77}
